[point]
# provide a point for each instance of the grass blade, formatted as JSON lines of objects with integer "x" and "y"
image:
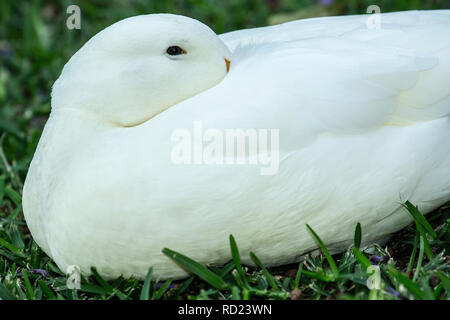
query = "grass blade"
{"x": 226, "y": 269}
{"x": 361, "y": 258}
{"x": 119, "y": 294}
{"x": 158, "y": 294}
{"x": 414, "y": 252}
{"x": 101, "y": 281}
{"x": 316, "y": 275}
{"x": 269, "y": 277}
{"x": 235, "y": 295}
{"x": 46, "y": 290}
{"x": 428, "y": 293}
{"x": 93, "y": 289}
{"x": 29, "y": 289}
{"x": 14, "y": 196}
{"x": 11, "y": 247}
{"x": 426, "y": 244}
{"x": 407, "y": 283}
{"x": 420, "y": 259}
{"x": 5, "y": 294}
{"x": 184, "y": 286}
{"x": 196, "y": 268}
{"x": 237, "y": 260}
{"x": 420, "y": 218}
{"x": 358, "y": 236}
{"x": 327, "y": 254}
{"x": 145, "y": 292}
{"x": 298, "y": 276}
{"x": 445, "y": 281}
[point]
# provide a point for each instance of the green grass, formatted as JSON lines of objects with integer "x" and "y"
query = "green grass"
{"x": 406, "y": 271}
{"x": 34, "y": 46}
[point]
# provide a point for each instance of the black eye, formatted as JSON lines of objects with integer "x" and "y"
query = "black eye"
{"x": 175, "y": 51}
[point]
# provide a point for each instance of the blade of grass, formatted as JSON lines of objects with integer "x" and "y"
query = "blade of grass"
{"x": 237, "y": 278}
{"x": 267, "y": 274}
{"x": 237, "y": 260}
{"x": 46, "y": 290}
{"x": 316, "y": 275}
{"x": 327, "y": 254}
{"x": 119, "y": 294}
{"x": 22, "y": 295}
{"x": 14, "y": 196}
{"x": 225, "y": 270}
{"x": 246, "y": 294}
{"x": 445, "y": 281}
{"x": 184, "y": 286}
{"x": 15, "y": 180}
{"x": 158, "y": 294}
{"x": 420, "y": 259}
{"x": 406, "y": 282}
{"x": 196, "y": 268}
{"x": 357, "y": 239}
{"x": 5, "y": 294}
{"x": 414, "y": 251}
{"x": 427, "y": 292}
{"x": 437, "y": 291}
{"x": 101, "y": 281}
{"x": 427, "y": 247}
{"x": 361, "y": 258}
{"x": 235, "y": 295}
{"x": 29, "y": 289}
{"x": 420, "y": 218}
{"x": 93, "y": 289}
{"x": 11, "y": 248}
{"x": 2, "y": 188}
{"x": 298, "y": 276}
{"x": 145, "y": 292}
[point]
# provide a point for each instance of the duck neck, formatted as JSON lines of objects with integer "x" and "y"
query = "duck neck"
{"x": 65, "y": 131}
{"x": 78, "y": 120}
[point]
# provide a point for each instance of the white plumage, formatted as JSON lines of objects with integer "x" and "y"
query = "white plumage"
{"x": 364, "y": 125}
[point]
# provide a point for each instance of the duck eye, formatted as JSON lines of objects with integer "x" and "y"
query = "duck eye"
{"x": 175, "y": 51}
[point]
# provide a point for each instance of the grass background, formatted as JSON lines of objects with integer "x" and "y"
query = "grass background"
{"x": 34, "y": 46}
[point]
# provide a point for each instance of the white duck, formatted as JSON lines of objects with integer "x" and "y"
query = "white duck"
{"x": 363, "y": 126}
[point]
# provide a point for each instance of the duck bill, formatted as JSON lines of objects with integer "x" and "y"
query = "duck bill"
{"x": 227, "y": 62}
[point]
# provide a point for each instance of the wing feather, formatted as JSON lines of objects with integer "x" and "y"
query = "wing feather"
{"x": 334, "y": 74}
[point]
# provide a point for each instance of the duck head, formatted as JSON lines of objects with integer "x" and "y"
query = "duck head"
{"x": 139, "y": 67}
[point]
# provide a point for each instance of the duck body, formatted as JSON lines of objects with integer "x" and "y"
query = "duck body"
{"x": 363, "y": 126}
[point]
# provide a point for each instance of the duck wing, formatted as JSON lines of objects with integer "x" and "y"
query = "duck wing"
{"x": 335, "y": 74}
